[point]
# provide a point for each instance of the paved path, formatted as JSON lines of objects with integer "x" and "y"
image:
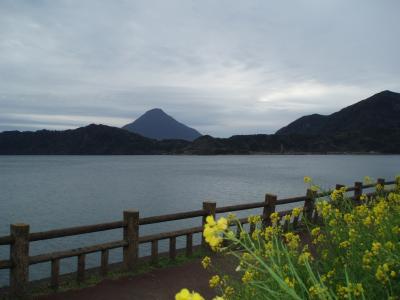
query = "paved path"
{"x": 156, "y": 285}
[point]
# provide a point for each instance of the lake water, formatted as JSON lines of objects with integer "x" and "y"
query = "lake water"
{"x": 50, "y": 192}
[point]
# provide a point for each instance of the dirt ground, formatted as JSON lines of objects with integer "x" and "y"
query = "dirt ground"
{"x": 156, "y": 285}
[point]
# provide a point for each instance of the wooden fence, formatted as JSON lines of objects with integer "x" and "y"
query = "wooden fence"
{"x": 20, "y": 236}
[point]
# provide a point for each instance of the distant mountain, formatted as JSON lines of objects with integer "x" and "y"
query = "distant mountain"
{"x": 106, "y": 140}
{"x": 376, "y": 141}
{"x": 156, "y": 124}
{"x": 91, "y": 140}
{"x": 370, "y": 126}
{"x": 381, "y": 111}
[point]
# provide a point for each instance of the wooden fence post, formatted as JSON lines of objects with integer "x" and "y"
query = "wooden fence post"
{"x": 172, "y": 247}
{"x": 55, "y": 273}
{"x": 269, "y": 208}
{"x": 131, "y": 236}
{"x": 358, "y": 188}
{"x": 189, "y": 244}
{"x": 154, "y": 251}
{"x": 19, "y": 255}
{"x": 80, "y": 276}
{"x": 210, "y": 207}
{"x": 381, "y": 181}
{"x": 309, "y": 205}
{"x": 104, "y": 262}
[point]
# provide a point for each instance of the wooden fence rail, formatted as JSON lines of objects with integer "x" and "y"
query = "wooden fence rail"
{"x": 20, "y": 237}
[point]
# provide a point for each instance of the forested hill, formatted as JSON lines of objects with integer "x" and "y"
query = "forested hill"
{"x": 381, "y": 111}
{"x": 372, "y": 125}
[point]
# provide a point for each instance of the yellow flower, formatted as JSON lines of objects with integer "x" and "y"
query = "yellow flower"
{"x": 197, "y": 296}
{"x": 367, "y": 257}
{"x": 381, "y": 274}
{"x": 206, "y": 262}
{"x": 247, "y": 257}
{"x": 348, "y": 218}
{"x": 344, "y": 244}
{"x": 396, "y": 230}
{"x": 361, "y": 210}
{"x": 353, "y": 288}
{"x": 357, "y": 289}
{"x": 304, "y": 257}
{"x": 296, "y": 211}
{"x": 214, "y": 281}
{"x": 328, "y": 277}
{"x": 394, "y": 197}
{"x": 289, "y": 282}
{"x": 222, "y": 224}
{"x": 315, "y": 231}
{"x": 213, "y": 231}
{"x": 218, "y": 298}
{"x": 210, "y": 221}
{"x": 338, "y": 193}
{"x": 379, "y": 187}
{"x": 184, "y": 294}
{"x": 292, "y": 240}
{"x": 389, "y": 245}
{"x": 352, "y": 233}
{"x": 317, "y": 290}
{"x": 255, "y": 234}
{"x": 307, "y": 179}
{"x": 229, "y": 291}
{"x": 254, "y": 219}
{"x": 247, "y": 277}
{"x": 274, "y": 218}
{"x": 231, "y": 216}
{"x": 376, "y": 246}
{"x": 363, "y": 197}
{"x": 332, "y": 223}
{"x": 324, "y": 208}
{"x": 367, "y": 221}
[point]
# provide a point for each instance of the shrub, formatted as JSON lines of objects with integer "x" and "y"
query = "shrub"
{"x": 353, "y": 252}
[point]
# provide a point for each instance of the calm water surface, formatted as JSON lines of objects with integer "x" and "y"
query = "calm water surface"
{"x": 50, "y": 192}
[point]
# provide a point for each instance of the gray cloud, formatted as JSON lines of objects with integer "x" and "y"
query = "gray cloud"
{"x": 224, "y": 67}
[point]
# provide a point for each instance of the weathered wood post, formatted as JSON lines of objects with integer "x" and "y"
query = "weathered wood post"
{"x": 80, "y": 276}
{"x": 104, "y": 262}
{"x": 269, "y": 208}
{"x": 19, "y": 255}
{"x": 381, "y": 182}
{"x": 358, "y": 188}
{"x": 210, "y": 208}
{"x": 172, "y": 247}
{"x": 55, "y": 273}
{"x": 309, "y": 205}
{"x": 189, "y": 244}
{"x": 154, "y": 251}
{"x": 131, "y": 237}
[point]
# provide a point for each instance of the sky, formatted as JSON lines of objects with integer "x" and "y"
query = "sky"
{"x": 223, "y": 67}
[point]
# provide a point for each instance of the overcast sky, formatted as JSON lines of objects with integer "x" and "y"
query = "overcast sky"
{"x": 222, "y": 67}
